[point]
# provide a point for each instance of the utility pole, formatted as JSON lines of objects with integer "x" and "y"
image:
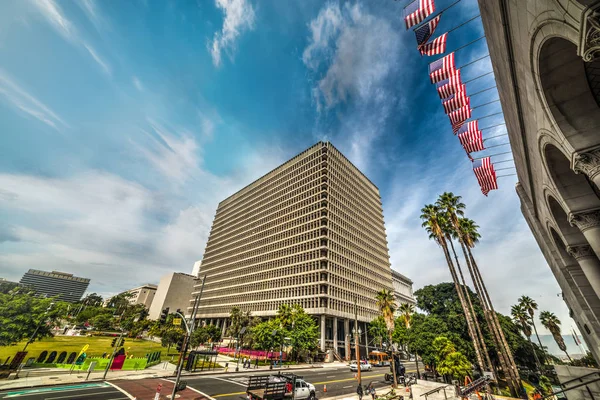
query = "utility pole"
{"x": 356, "y": 342}
{"x": 117, "y": 344}
{"x": 189, "y": 330}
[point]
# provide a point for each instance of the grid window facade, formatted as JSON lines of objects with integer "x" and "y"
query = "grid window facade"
{"x": 311, "y": 232}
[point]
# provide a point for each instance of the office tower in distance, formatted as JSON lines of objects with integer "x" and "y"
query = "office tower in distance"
{"x": 66, "y": 286}
{"x": 310, "y": 232}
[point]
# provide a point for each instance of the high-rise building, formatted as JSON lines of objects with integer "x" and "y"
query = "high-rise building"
{"x": 310, "y": 232}
{"x": 173, "y": 292}
{"x": 403, "y": 290}
{"x": 50, "y": 284}
{"x": 546, "y": 61}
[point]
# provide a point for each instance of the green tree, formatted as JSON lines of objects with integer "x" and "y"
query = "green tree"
{"x": 521, "y": 318}
{"x": 92, "y": 300}
{"x": 264, "y": 339}
{"x": 552, "y": 323}
{"x": 304, "y": 334}
{"x": 171, "y": 336}
{"x": 102, "y": 322}
{"x": 530, "y": 305}
{"x": 378, "y": 331}
{"x": 387, "y": 306}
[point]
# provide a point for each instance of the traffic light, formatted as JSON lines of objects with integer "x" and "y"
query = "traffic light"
{"x": 114, "y": 342}
{"x": 163, "y": 315}
{"x": 122, "y": 342}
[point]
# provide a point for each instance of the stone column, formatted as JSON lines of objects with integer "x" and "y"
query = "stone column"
{"x": 588, "y": 163}
{"x": 224, "y": 328}
{"x": 335, "y": 334}
{"x": 590, "y": 265}
{"x": 588, "y": 223}
{"x": 323, "y": 332}
{"x": 347, "y": 338}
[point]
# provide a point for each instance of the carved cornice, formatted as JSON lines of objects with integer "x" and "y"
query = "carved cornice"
{"x": 589, "y": 39}
{"x": 585, "y": 220}
{"x": 587, "y": 163}
{"x": 580, "y": 251}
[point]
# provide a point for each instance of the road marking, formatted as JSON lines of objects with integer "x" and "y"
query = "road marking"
{"x": 346, "y": 387}
{"x": 229, "y": 394}
{"x": 121, "y": 390}
{"x": 31, "y": 392}
{"x": 344, "y": 380}
{"x": 199, "y": 392}
{"x": 229, "y": 381}
{"x": 330, "y": 376}
{"x": 71, "y": 396}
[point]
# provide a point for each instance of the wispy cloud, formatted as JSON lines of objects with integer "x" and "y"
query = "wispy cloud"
{"x": 90, "y": 9}
{"x": 239, "y": 16}
{"x": 57, "y": 19}
{"x": 138, "y": 84}
{"x": 21, "y": 99}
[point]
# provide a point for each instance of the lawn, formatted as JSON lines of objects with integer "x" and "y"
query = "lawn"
{"x": 98, "y": 345}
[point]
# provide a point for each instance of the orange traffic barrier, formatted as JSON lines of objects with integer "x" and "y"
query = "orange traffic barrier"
{"x": 324, "y": 388}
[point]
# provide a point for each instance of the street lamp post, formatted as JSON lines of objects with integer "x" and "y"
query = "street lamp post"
{"x": 37, "y": 328}
{"x": 357, "y": 333}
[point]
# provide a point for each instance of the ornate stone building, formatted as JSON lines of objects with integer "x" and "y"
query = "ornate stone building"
{"x": 310, "y": 232}
{"x": 403, "y": 290}
{"x": 546, "y": 59}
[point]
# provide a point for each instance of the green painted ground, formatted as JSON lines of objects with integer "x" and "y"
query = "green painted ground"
{"x": 98, "y": 345}
{"x": 53, "y": 389}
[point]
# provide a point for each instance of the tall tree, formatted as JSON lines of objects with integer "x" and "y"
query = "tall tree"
{"x": 387, "y": 306}
{"x": 434, "y": 220}
{"x": 406, "y": 312}
{"x": 521, "y": 318}
{"x": 378, "y": 330}
{"x": 471, "y": 236}
{"x": 552, "y": 323}
{"x": 531, "y": 306}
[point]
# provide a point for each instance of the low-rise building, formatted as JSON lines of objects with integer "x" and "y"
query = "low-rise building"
{"x": 174, "y": 291}
{"x": 142, "y": 295}
{"x": 403, "y": 291}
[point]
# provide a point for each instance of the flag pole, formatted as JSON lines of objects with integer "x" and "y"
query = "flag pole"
{"x": 503, "y": 161}
{"x": 493, "y": 155}
{"x": 477, "y": 77}
{"x": 434, "y": 15}
{"x": 485, "y": 104}
{"x": 486, "y": 116}
{"x": 461, "y": 47}
{"x": 502, "y": 176}
{"x": 501, "y": 169}
{"x": 496, "y": 145}
{"x": 464, "y": 23}
{"x": 474, "y": 61}
{"x": 493, "y": 137}
{"x": 481, "y": 91}
{"x": 493, "y": 126}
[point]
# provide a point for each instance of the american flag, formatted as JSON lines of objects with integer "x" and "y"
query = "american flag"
{"x": 436, "y": 46}
{"x": 442, "y": 68}
{"x": 426, "y": 31}
{"x": 458, "y": 117}
{"x": 471, "y": 126}
{"x": 449, "y": 85}
{"x": 486, "y": 176}
{"x": 471, "y": 141}
{"x": 455, "y": 101}
{"x": 417, "y": 11}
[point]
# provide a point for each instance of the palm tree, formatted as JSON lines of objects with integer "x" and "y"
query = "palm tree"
{"x": 552, "y": 323}
{"x": 435, "y": 218}
{"x": 387, "y": 305}
{"x": 521, "y": 317}
{"x": 406, "y": 312}
{"x": 530, "y": 306}
{"x": 471, "y": 236}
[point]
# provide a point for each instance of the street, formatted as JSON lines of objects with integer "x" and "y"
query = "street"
{"x": 338, "y": 381}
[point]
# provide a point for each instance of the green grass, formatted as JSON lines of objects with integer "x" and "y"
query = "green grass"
{"x": 98, "y": 345}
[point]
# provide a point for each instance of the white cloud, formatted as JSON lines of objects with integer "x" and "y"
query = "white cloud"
{"x": 239, "y": 16}
{"x": 56, "y": 18}
{"x": 19, "y": 98}
{"x": 90, "y": 9}
{"x": 138, "y": 84}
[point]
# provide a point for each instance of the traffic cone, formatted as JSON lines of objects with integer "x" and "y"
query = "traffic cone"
{"x": 324, "y": 388}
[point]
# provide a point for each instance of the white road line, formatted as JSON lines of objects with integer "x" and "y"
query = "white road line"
{"x": 346, "y": 387}
{"x": 121, "y": 390}
{"x": 330, "y": 376}
{"x": 71, "y": 396}
{"x": 229, "y": 381}
{"x": 42, "y": 392}
{"x": 202, "y": 393}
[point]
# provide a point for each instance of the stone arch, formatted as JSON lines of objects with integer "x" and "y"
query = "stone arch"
{"x": 575, "y": 190}
{"x": 569, "y": 235}
{"x": 564, "y": 85}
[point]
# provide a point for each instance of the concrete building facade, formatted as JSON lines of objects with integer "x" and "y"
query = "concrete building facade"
{"x": 310, "y": 232}
{"x": 403, "y": 290}
{"x": 67, "y": 286}
{"x": 142, "y": 295}
{"x": 546, "y": 59}
{"x": 174, "y": 292}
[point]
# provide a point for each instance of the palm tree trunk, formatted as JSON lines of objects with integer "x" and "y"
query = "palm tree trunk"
{"x": 472, "y": 333}
{"x": 538, "y": 339}
{"x": 393, "y": 361}
{"x": 504, "y": 349}
{"x": 480, "y": 341}
{"x": 537, "y": 360}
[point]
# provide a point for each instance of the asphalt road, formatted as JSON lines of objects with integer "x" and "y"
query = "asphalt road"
{"x": 339, "y": 381}
{"x": 89, "y": 391}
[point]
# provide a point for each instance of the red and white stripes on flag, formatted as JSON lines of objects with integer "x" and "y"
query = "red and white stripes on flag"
{"x": 442, "y": 68}
{"x": 450, "y": 85}
{"x": 458, "y": 117}
{"x": 455, "y": 101}
{"x": 417, "y": 11}
{"x": 436, "y": 46}
{"x": 486, "y": 176}
{"x": 471, "y": 141}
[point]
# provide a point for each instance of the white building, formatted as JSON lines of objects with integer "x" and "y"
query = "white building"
{"x": 140, "y": 295}
{"x": 174, "y": 291}
{"x": 403, "y": 291}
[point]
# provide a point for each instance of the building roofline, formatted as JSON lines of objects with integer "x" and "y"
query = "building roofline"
{"x": 399, "y": 275}
{"x": 319, "y": 143}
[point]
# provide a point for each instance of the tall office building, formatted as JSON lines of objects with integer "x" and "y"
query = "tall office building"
{"x": 310, "y": 232}
{"x": 50, "y": 284}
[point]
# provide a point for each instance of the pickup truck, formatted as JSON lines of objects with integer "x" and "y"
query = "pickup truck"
{"x": 279, "y": 387}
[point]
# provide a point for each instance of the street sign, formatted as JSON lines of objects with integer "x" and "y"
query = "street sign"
{"x": 92, "y": 366}
{"x": 177, "y": 321}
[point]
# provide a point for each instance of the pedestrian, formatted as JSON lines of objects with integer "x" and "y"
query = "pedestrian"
{"x": 359, "y": 391}
{"x": 226, "y": 366}
{"x": 256, "y": 363}
{"x": 371, "y": 390}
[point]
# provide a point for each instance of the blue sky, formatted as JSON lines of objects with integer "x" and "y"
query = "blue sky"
{"x": 124, "y": 123}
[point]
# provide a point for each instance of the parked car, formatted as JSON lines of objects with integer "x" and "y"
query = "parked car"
{"x": 364, "y": 366}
